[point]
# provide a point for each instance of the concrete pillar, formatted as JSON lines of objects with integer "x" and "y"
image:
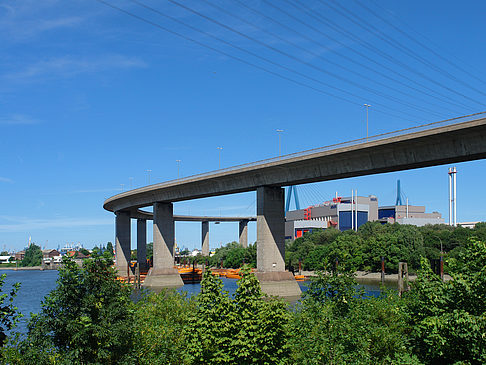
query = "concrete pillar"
{"x": 205, "y": 238}
{"x": 270, "y": 229}
{"x": 122, "y": 242}
{"x": 244, "y": 233}
{"x": 271, "y": 274}
{"x": 142, "y": 243}
{"x": 163, "y": 274}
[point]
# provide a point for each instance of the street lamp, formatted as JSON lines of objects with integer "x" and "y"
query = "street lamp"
{"x": 122, "y": 187}
{"x": 220, "y": 149}
{"x": 367, "y": 106}
{"x": 178, "y": 167}
{"x": 279, "y": 131}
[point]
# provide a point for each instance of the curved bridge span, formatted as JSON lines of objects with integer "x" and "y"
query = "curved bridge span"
{"x": 451, "y": 141}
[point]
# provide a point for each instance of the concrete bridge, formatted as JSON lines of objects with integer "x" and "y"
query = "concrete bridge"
{"x": 451, "y": 141}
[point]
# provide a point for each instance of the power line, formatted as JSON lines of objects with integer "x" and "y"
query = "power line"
{"x": 403, "y": 48}
{"x": 322, "y": 19}
{"x": 297, "y": 82}
{"x": 266, "y": 60}
{"x": 326, "y": 60}
{"x": 361, "y": 23}
{"x": 290, "y": 56}
{"x": 416, "y": 40}
{"x": 313, "y": 40}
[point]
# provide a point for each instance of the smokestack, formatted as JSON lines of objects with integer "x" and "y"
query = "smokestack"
{"x": 450, "y": 196}
{"x": 454, "y": 171}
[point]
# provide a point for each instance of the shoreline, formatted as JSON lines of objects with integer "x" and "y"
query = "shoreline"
{"x": 22, "y": 268}
{"x": 366, "y": 277}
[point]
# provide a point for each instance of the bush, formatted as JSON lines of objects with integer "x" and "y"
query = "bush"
{"x": 448, "y": 319}
{"x": 33, "y": 256}
{"x": 249, "y": 329}
{"x": 335, "y": 324}
{"x": 86, "y": 319}
{"x": 160, "y": 319}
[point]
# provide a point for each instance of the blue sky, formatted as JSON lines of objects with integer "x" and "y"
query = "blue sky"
{"x": 91, "y": 98}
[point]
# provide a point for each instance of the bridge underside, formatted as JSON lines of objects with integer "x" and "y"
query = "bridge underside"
{"x": 449, "y": 144}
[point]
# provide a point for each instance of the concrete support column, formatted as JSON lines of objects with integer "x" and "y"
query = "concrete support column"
{"x": 205, "y": 238}
{"x": 122, "y": 242}
{"x": 164, "y": 236}
{"x": 142, "y": 243}
{"x": 270, "y": 229}
{"x": 163, "y": 274}
{"x": 244, "y": 233}
{"x": 271, "y": 274}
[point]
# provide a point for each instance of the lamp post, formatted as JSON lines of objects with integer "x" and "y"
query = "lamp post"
{"x": 367, "y": 107}
{"x": 279, "y": 131}
{"x": 220, "y": 149}
{"x": 122, "y": 187}
{"x": 178, "y": 167}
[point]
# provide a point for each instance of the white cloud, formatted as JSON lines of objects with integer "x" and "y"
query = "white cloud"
{"x": 18, "y": 119}
{"x": 6, "y": 180}
{"x": 22, "y": 224}
{"x": 68, "y": 66}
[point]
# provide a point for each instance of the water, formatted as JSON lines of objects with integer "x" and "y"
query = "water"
{"x": 35, "y": 285}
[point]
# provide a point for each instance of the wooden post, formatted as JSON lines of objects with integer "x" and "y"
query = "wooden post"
{"x": 300, "y": 266}
{"x": 382, "y": 270}
{"x": 441, "y": 268}
{"x": 402, "y": 277}
{"x": 137, "y": 277}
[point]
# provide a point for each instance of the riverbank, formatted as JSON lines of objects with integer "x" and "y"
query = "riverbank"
{"x": 22, "y": 268}
{"x": 366, "y": 277}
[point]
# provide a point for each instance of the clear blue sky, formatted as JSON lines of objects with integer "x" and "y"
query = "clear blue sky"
{"x": 91, "y": 97}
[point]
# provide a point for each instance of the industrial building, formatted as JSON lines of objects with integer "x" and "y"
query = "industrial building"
{"x": 408, "y": 214}
{"x": 346, "y": 213}
{"x": 342, "y": 213}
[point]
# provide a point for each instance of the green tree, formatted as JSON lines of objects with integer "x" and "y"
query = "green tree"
{"x": 109, "y": 247}
{"x": 448, "y": 319}
{"x": 249, "y": 329}
{"x": 9, "y": 314}
{"x": 33, "y": 256}
{"x": 160, "y": 319}
{"x": 87, "y": 318}
{"x": 150, "y": 250}
{"x": 335, "y": 324}
{"x": 84, "y": 252}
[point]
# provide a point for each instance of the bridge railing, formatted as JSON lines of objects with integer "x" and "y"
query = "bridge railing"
{"x": 354, "y": 142}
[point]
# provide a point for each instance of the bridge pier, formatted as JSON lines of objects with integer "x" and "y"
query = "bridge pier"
{"x": 243, "y": 225}
{"x": 271, "y": 274}
{"x": 122, "y": 242}
{"x": 163, "y": 274}
{"x": 205, "y": 238}
{"x": 142, "y": 244}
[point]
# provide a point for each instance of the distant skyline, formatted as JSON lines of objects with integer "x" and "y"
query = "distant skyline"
{"x": 94, "y": 100}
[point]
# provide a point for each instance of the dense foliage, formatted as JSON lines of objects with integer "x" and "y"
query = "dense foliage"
{"x": 87, "y": 319}
{"x": 364, "y": 249}
{"x": 8, "y": 312}
{"x": 33, "y": 256}
{"x": 448, "y": 319}
{"x": 248, "y": 329}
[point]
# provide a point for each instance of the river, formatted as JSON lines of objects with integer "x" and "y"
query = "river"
{"x": 36, "y": 284}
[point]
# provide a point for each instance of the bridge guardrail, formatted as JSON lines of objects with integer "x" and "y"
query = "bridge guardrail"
{"x": 377, "y": 137}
